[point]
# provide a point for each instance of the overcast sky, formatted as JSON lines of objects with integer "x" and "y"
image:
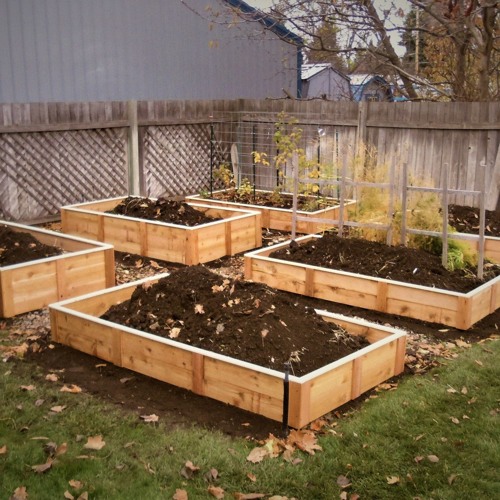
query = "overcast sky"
{"x": 265, "y": 4}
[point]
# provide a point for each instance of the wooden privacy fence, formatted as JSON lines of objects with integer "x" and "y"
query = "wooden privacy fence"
{"x": 55, "y": 154}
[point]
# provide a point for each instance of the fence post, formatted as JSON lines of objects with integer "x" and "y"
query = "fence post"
{"x": 133, "y": 151}
{"x": 361, "y": 130}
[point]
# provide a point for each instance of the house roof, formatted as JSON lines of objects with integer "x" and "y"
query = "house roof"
{"x": 268, "y": 21}
{"x": 310, "y": 70}
{"x": 361, "y": 80}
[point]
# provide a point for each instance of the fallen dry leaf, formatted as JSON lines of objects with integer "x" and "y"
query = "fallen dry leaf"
{"x": 68, "y": 495}
{"x": 318, "y": 424}
{"x": 58, "y": 409}
{"x": 451, "y": 478}
{"x": 174, "y": 332}
{"x": 20, "y": 493}
{"x": 189, "y": 470}
{"x": 343, "y": 482}
{"x": 51, "y": 377}
{"x": 94, "y": 443}
{"x": 72, "y": 388}
{"x": 150, "y": 418}
{"x": 147, "y": 285}
{"x": 61, "y": 449}
{"x": 216, "y": 491}
{"x": 83, "y": 496}
{"x": 78, "y": 485}
{"x": 248, "y": 496}
{"x": 252, "y": 477}
{"x": 3, "y": 449}
{"x": 392, "y": 479}
{"x": 433, "y": 458}
{"x": 41, "y": 468}
{"x": 212, "y": 475}
{"x": 455, "y": 420}
{"x": 198, "y": 309}
{"x": 180, "y": 495}
{"x": 28, "y": 387}
{"x": 150, "y": 469}
{"x": 480, "y": 363}
{"x": 304, "y": 440}
{"x": 257, "y": 455}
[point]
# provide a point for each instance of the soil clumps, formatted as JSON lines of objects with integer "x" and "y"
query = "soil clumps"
{"x": 246, "y": 321}
{"x": 370, "y": 258}
{"x": 162, "y": 210}
{"x": 17, "y": 247}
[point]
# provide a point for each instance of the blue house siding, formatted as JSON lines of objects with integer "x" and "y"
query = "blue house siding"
{"x": 94, "y": 50}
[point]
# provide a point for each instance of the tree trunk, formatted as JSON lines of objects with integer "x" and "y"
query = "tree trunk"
{"x": 389, "y": 49}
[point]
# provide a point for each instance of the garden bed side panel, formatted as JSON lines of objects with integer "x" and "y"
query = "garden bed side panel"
{"x": 76, "y": 323}
{"x": 491, "y": 246}
{"x": 280, "y": 219}
{"x": 236, "y": 232}
{"x": 28, "y": 286}
{"x": 348, "y": 378}
{"x": 392, "y": 297}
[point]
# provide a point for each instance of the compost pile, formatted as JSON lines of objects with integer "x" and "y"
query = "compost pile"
{"x": 247, "y": 321}
{"x": 162, "y": 210}
{"x": 17, "y": 247}
{"x": 374, "y": 259}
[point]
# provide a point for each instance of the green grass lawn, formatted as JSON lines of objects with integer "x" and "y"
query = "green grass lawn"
{"x": 436, "y": 436}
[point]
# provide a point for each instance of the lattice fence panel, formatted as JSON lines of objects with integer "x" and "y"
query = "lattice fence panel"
{"x": 42, "y": 171}
{"x": 177, "y": 158}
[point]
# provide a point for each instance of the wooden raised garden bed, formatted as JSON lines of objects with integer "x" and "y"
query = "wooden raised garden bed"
{"x": 460, "y": 310}
{"x": 76, "y": 323}
{"x": 238, "y": 231}
{"x": 280, "y": 219}
{"x": 85, "y": 266}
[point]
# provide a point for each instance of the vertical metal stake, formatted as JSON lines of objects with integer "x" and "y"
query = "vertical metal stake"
{"x": 286, "y": 398}
{"x": 212, "y": 139}
{"x": 444, "y": 257}
{"x": 254, "y": 150}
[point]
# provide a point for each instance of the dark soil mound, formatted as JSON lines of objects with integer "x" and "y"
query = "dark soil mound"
{"x": 246, "y": 321}
{"x": 466, "y": 220}
{"x": 162, "y": 210}
{"x": 17, "y": 247}
{"x": 375, "y": 259}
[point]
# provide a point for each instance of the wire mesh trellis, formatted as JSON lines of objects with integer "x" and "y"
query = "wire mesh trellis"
{"x": 260, "y": 160}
